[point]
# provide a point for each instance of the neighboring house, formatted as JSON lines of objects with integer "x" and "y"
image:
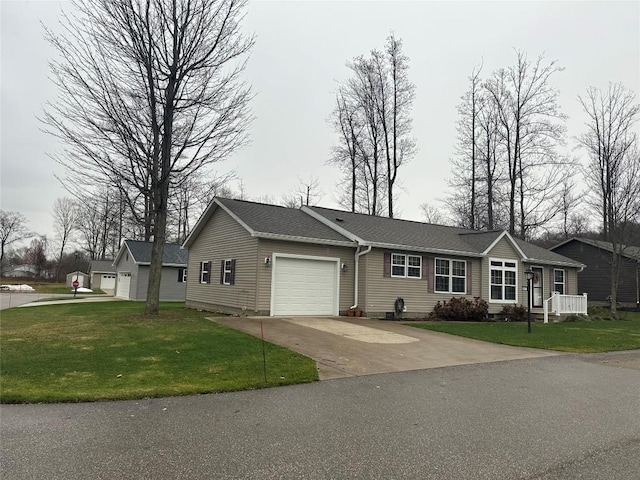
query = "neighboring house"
{"x": 595, "y": 280}
{"x": 132, "y": 265}
{"x": 83, "y": 279}
{"x": 102, "y": 275}
{"x": 21, "y": 271}
{"x": 273, "y": 260}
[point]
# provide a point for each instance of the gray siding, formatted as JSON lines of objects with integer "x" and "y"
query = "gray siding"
{"x": 266, "y": 248}
{"x": 170, "y": 289}
{"x": 595, "y": 280}
{"x": 223, "y": 238}
{"x": 381, "y": 292}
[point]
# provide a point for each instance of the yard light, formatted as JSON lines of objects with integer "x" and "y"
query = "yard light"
{"x": 528, "y": 274}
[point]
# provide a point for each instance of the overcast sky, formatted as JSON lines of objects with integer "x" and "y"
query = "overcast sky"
{"x": 300, "y": 54}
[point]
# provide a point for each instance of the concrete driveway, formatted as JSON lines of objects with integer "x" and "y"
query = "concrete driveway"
{"x": 345, "y": 346}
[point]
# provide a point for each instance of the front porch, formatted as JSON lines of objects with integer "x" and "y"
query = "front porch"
{"x": 558, "y": 305}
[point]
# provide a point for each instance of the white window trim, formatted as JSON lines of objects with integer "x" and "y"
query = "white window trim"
{"x": 184, "y": 276}
{"x": 564, "y": 280}
{"x": 406, "y": 266}
{"x": 204, "y": 266}
{"x": 227, "y": 271}
{"x": 504, "y": 269}
{"x": 451, "y": 276}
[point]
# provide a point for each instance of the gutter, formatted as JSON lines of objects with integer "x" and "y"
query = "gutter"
{"x": 355, "y": 284}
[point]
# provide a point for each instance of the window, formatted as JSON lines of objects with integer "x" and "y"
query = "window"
{"x": 451, "y": 276}
{"x": 182, "y": 275}
{"x": 502, "y": 281}
{"x": 227, "y": 272}
{"x": 204, "y": 272}
{"x": 406, "y": 265}
{"x": 558, "y": 281}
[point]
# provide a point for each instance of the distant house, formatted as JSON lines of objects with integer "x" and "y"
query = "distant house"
{"x": 102, "y": 275}
{"x": 81, "y": 277}
{"x": 21, "y": 271}
{"x": 273, "y": 260}
{"x": 132, "y": 264}
{"x": 595, "y": 280}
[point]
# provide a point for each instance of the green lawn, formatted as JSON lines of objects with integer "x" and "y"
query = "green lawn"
{"x": 580, "y": 336}
{"x": 109, "y": 351}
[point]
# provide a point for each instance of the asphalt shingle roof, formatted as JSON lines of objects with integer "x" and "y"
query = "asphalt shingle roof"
{"x": 627, "y": 251}
{"x": 538, "y": 253}
{"x": 102, "y": 266}
{"x": 423, "y": 236}
{"x": 173, "y": 254}
{"x": 278, "y": 220}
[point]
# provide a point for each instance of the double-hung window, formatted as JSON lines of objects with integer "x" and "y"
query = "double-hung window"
{"x": 451, "y": 276}
{"x": 407, "y": 266}
{"x": 204, "y": 272}
{"x": 227, "y": 273}
{"x": 503, "y": 275}
{"x": 182, "y": 275}
{"x": 558, "y": 281}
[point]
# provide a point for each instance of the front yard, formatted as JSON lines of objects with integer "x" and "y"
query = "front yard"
{"x": 580, "y": 337}
{"x": 111, "y": 351}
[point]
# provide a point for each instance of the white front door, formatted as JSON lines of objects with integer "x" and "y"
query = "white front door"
{"x": 304, "y": 285}
{"x": 124, "y": 282}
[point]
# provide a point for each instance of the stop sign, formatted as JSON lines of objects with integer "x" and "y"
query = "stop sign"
{"x": 75, "y": 284}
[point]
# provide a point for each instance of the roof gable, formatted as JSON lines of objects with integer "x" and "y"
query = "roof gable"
{"x": 272, "y": 221}
{"x": 173, "y": 254}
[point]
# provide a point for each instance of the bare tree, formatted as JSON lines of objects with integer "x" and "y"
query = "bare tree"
{"x": 531, "y": 127}
{"x": 36, "y": 255}
{"x": 65, "y": 221}
{"x": 431, "y": 214}
{"x": 151, "y": 94}
{"x": 373, "y": 121}
{"x": 13, "y": 228}
{"x": 613, "y": 169}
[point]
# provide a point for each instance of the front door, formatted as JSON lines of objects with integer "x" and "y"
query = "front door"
{"x": 536, "y": 287}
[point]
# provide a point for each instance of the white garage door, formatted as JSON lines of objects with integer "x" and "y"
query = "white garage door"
{"x": 304, "y": 286}
{"x": 124, "y": 281}
{"x": 108, "y": 282}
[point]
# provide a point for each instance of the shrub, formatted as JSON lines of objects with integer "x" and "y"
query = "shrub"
{"x": 514, "y": 313}
{"x": 461, "y": 309}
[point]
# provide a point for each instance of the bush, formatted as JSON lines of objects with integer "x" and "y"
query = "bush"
{"x": 514, "y": 313}
{"x": 461, "y": 309}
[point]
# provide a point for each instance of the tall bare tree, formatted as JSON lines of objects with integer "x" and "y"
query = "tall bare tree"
{"x": 531, "y": 128}
{"x": 13, "y": 228}
{"x": 613, "y": 168}
{"x": 150, "y": 94}
{"x": 65, "y": 221}
{"x": 372, "y": 117}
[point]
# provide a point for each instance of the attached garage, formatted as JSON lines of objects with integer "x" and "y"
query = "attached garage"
{"x": 124, "y": 284}
{"x": 304, "y": 285}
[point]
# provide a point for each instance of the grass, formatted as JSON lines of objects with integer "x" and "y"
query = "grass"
{"x": 111, "y": 351}
{"x": 578, "y": 337}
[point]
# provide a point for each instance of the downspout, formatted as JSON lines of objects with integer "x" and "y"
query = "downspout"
{"x": 355, "y": 285}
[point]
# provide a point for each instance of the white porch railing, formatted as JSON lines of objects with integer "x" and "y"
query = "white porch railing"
{"x": 559, "y": 304}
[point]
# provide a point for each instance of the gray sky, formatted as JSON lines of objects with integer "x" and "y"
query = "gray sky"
{"x": 299, "y": 56}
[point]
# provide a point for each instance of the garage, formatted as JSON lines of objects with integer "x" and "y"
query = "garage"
{"x": 303, "y": 285}
{"x": 107, "y": 282}
{"x": 124, "y": 282}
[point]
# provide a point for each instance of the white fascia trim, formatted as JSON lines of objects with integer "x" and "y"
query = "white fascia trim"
{"x": 235, "y": 217}
{"x": 120, "y": 252}
{"x": 292, "y": 238}
{"x": 200, "y": 223}
{"x": 324, "y": 220}
{"x": 554, "y": 263}
{"x": 409, "y": 248}
{"x": 504, "y": 233}
{"x": 179, "y": 265}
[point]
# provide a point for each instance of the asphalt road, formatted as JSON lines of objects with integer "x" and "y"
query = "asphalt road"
{"x": 14, "y": 299}
{"x": 551, "y": 418}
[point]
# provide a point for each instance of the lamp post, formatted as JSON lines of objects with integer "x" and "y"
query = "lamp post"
{"x": 528, "y": 274}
